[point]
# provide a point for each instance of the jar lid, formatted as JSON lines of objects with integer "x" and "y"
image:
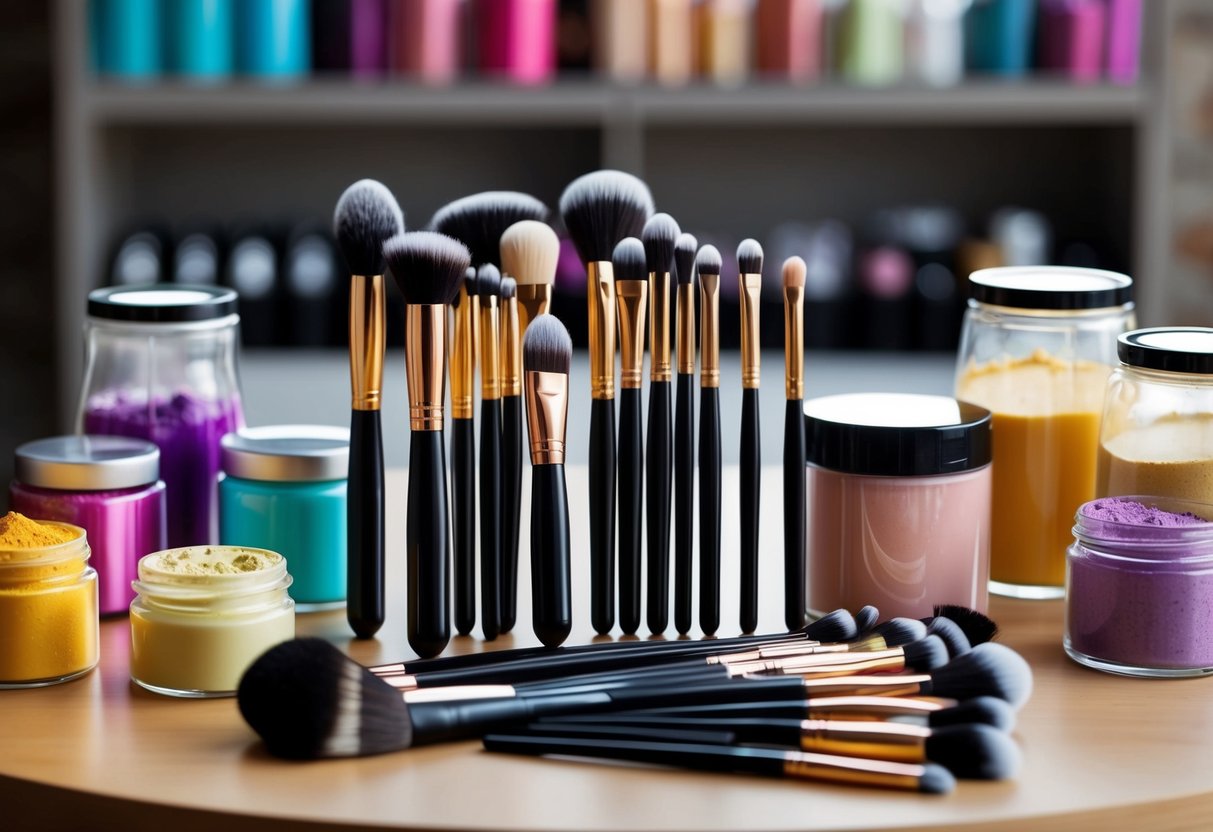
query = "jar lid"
{"x": 288, "y": 453}
{"x": 896, "y": 434}
{"x": 1172, "y": 349}
{"x": 87, "y": 463}
{"x": 1050, "y": 287}
{"x": 162, "y": 303}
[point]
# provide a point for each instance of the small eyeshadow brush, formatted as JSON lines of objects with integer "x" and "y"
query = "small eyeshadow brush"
{"x": 684, "y": 434}
{"x": 707, "y": 267}
{"x": 749, "y": 267}
{"x": 794, "y": 551}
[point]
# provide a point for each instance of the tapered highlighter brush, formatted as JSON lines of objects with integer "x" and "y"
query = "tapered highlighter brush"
{"x": 659, "y": 236}
{"x": 366, "y": 215}
{"x": 428, "y": 268}
{"x": 868, "y": 615}
{"x": 463, "y": 451}
{"x": 707, "y": 267}
{"x": 600, "y": 209}
{"x": 511, "y": 449}
{"x": 488, "y": 281}
{"x": 547, "y": 352}
{"x": 794, "y": 607}
{"x": 749, "y": 267}
{"x": 684, "y": 432}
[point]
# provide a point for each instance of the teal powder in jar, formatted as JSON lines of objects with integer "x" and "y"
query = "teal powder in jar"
{"x": 284, "y": 489}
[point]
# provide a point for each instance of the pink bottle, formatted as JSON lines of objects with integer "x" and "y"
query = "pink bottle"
{"x": 516, "y": 39}
{"x": 425, "y": 39}
{"x": 789, "y": 39}
{"x": 1072, "y": 38}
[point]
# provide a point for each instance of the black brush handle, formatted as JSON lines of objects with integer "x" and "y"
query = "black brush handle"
{"x": 511, "y": 506}
{"x": 551, "y": 585}
{"x": 794, "y": 552}
{"x": 428, "y": 545}
{"x": 602, "y": 515}
{"x": 631, "y": 500}
{"x": 463, "y": 511}
{"x": 751, "y": 481}
{"x": 709, "y": 510}
{"x": 490, "y": 518}
{"x": 658, "y": 469}
{"x": 726, "y": 759}
{"x": 624, "y": 731}
{"x": 364, "y": 525}
{"x": 434, "y": 722}
{"x": 684, "y": 501}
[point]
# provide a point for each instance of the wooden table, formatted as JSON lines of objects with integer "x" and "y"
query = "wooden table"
{"x": 1100, "y": 752}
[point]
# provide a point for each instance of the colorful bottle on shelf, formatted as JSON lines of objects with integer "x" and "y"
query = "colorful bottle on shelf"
{"x": 274, "y": 38}
{"x": 199, "y": 38}
{"x": 999, "y": 36}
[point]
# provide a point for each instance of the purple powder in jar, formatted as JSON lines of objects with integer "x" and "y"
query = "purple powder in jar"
{"x": 1133, "y": 513}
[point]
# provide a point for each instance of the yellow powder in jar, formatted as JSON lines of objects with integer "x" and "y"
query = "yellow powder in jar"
{"x": 19, "y": 532}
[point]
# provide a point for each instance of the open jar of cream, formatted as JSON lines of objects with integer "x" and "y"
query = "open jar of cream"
{"x": 203, "y": 614}
{"x": 1139, "y": 587}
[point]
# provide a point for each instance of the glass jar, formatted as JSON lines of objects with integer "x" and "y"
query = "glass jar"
{"x": 49, "y": 628}
{"x": 1036, "y": 349}
{"x": 1157, "y": 434}
{"x": 284, "y": 489}
{"x": 203, "y": 614}
{"x": 161, "y": 366}
{"x": 108, "y": 485}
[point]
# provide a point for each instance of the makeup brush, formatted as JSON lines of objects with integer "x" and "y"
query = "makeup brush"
{"x": 599, "y": 210}
{"x": 488, "y": 281}
{"x": 900, "y": 630}
{"x": 547, "y": 352}
{"x": 660, "y": 235}
{"x": 928, "y": 778}
{"x": 978, "y": 627}
{"x": 479, "y": 220}
{"x": 428, "y": 268}
{"x": 749, "y": 267}
{"x": 463, "y": 451}
{"x": 794, "y": 607}
{"x": 707, "y": 267}
{"x": 950, "y": 634}
{"x": 684, "y": 433}
{"x": 530, "y": 251}
{"x": 511, "y": 450}
{"x": 867, "y": 616}
{"x": 366, "y": 215}
{"x": 632, "y": 292}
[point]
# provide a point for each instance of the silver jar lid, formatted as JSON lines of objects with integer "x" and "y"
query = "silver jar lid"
{"x": 87, "y": 463}
{"x": 287, "y": 453}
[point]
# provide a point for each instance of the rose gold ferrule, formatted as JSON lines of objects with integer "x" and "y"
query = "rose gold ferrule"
{"x": 686, "y": 329}
{"x": 659, "y": 327}
{"x": 822, "y": 665}
{"x": 490, "y": 348}
{"x": 893, "y": 741}
{"x": 751, "y": 354}
{"x": 533, "y": 301}
{"x": 632, "y": 297}
{"x": 793, "y": 342}
{"x": 866, "y": 686}
{"x": 601, "y": 293}
{"x": 368, "y": 323}
{"x": 811, "y": 766}
{"x": 463, "y": 357}
{"x": 547, "y": 409}
{"x": 709, "y": 326}
{"x": 425, "y": 362}
{"x": 400, "y": 683}
{"x": 511, "y": 349}
{"x": 853, "y": 708}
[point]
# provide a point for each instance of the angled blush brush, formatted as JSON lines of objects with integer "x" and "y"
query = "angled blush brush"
{"x": 794, "y": 552}
{"x": 707, "y": 267}
{"x": 749, "y": 267}
{"x": 684, "y": 434}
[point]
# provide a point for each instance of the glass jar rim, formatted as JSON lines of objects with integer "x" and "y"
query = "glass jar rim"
{"x": 160, "y": 581}
{"x": 1146, "y": 543}
{"x": 166, "y": 328}
{"x": 49, "y": 555}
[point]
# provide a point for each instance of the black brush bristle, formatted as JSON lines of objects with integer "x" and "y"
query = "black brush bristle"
{"x": 708, "y": 261}
{"x": 974, "y": 752}
{"x": 951, "y": 634}
{"x": 749, "y": 257}
{"x": 365, "y": 216}
{"x": 983, "y": 710}
{"x": 427, "y": 266}
{"x": 926, "y": 654}
{"x": 509, "y": 288}
{"x": 659, "y": 236}
{"x": 469, "y": 281}
{"x": 601, "y": 208}
{"x": 899, "y": 631}
{"x": 832, "y": 627}
{"x": 684, "y": 257}
{"x": 488, "y": 280}
{"x": 628, "y": 260}
{"x": 986, "y": 670}
{"x": 978, "y": 627}
{"x": 479, "y": 220}
{"x": 867, "y": 618}
{"x": 547, "y": 347}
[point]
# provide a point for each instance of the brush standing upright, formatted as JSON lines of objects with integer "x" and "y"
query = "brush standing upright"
{"x": 511, "y": 449}
{"x": 488, "y": 281}
{"x": 463, "y": 451}
{"x": 684, "y": 433}
{"x": 707, "y": 266}
{"x": 428, "y": 268}
{"x": 366, "y": 215}
{"x": 749, "y": 267}
{"x": 794, "y": 272}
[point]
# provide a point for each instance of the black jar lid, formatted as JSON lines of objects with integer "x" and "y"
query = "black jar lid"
{"x": 896, "y": 434}
{"x": 287, "y": 453}
{"x": 1172, "y": 349}
{"x": 87, "y": 463}
{"x": 162, "y": 303}
{"x": 1050, "y": 287}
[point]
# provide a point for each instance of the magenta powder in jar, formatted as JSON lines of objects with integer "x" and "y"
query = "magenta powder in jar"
{"x": 1139, "y": 587}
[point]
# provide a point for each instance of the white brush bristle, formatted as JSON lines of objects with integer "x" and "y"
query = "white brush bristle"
{"x": 530, "y": 251}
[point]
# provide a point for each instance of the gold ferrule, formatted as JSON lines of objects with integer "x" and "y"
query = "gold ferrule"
{"x": 685, "y": 334}
{"x": 463, "y": 357}
{"x": 533, "y": 301}
{"x": 793, "y": 341}
{"x": 633, "y": 303}
{"x": 809, "y": 766}
{"x": 547, "y": 410}
{"x": 874, "y": 707}
{"x": 759, "y": 652}
{"x": 368, "y": 324}
{"x": 893, "y": 741}
{"x": 425, "y": 362}
{"x": 511, "y": 349}
{"x": 866, "y": 686}
{"x": 709, "y": 330}
{"x": 751, "y": 354}
{"x": 490, "y": 348}
{"x": 823, "y": 665}
{"x": 659, "y": 326}
{"x": 601, "y": 293}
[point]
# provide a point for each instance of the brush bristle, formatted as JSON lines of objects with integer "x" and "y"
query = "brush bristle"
{"x": 488, "y": 280}
{"x": 974, "y": 752}
{"x": 867, "y": 618}
{"x": 659, "y": 235}
{"x": 899, "y": 631}
{"x": 628, "y": 260}
{"x": 749, "y": 257}
{"x": 547, "y": 347}
{"x": 530, "y": 251}
{"x": 603, "y": 207}
{"x": 978, "y": 627}
{"x": 509, "y": 288}
{"x": 365, "y": 216}
{"x": 834, "y": 626}
{"x": 983, "y": 710}
{"x": 306, "y": 700}
{"x": 936, "y": 780}
{"x": 794, "y": 273}
{"x": 986, "y": 670}
{"x": 926, "y": 654}
{"x": 427, "y": 266}
{"x": 479, "y": 220}
{"x": 708, "y": 261}
{"x": 684, "y": 257}
{"x": 469, "y": 282}
{"x": 951, "y": 634}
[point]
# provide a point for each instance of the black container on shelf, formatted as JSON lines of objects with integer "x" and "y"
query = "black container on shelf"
{"x": 197, "y": 258}
{"x": 141, "y": 258}
{"x": 252, "y": 269}
{"x": 310, "y": 284}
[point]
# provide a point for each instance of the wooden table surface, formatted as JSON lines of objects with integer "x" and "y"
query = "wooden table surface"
{"x": 1099, "y": 751}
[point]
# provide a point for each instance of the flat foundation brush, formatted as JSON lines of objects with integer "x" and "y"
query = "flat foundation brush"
{"x": 366, "y": 216}
{"x": 707, "y": 267}
{"x": 488, "y": 281}
{"x": 684, "y": 434}
{"x": 463, "y": 451}
{"x": 749, "y": 267}
{"x": 794, "y": 551}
